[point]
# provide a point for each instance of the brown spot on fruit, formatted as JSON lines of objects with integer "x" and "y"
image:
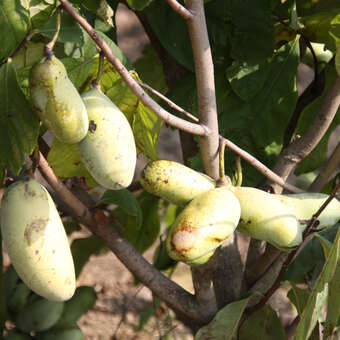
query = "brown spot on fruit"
{"x": 92, "y": 126}
{"x": 34, "y": 229}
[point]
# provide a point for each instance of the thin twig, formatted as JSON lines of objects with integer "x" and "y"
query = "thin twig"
{"x": 205, "y": 84}
{"x": 303, "y": 146}
{"x": 327, "y": 172}
{"x": 196, "y": 129}
{"x": 175, "y": 296}
{"x": 181, "y": 10}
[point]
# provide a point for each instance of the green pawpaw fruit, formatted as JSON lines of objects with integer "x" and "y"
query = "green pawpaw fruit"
{"x": 265, "y": 217}
{"x": 56, "y": 100}
{"x": 83, "y": 299}
{"x": 174, "y": 181}
{"x": 36, "y": 241}
{"x": 73, "y": 333}
{"x": 11, "y": 281}
{"x": 39, "y": 316}
{"x": 15, "y": 334}
{"x": 18, "y": 298}
{"x": 108, "y": 150}
{"x": 203, "y": 225}
{"x": 306, "y": 205}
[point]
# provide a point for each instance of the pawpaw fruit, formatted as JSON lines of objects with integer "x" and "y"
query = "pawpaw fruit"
{"x": 11, "y": 281}
{"x": 56, "y": 100}
{"x": 108, "y": 150}
{"x": 39, "y": 316}
{"x": 19, "y": 298}
{"x": 73, "y": 333}
{"x": 15, "y": 334}
{"x": 305, "y": 205}
{"x": 174, "y": 181}
{"x": 83, "y": 299}
{"x": 265, "y": 217}
{"x": 203, "y": 225}
{"x": 36, "y": 241}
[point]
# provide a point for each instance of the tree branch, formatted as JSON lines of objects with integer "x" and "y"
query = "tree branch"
{"x": 181, "y": 10}
{"x": 327, "y": 172}
{"x": 205, "y": 82}
{"x": 175, "y": 296}
{"x": 303, "y": 146}
{"x": 170, "y": 119}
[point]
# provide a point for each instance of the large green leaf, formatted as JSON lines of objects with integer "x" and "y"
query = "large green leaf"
{"x": 298, "y": 297}
{"x": 318, "y": 298}
{"x": 337, "y": 60}
{"x": 225, "y": 323}
{"x": 144, "y": 235}
{"x": 66, "y": 162}
{"x": 19, "y": 126}
{"x": 138, "y": 4}
{"x": 262, "y": 325}
{"x": 251, "y": 30}
{"x": 40, "y": 11}
{"x": 310, "y": 255}
{"x": 14, "y": 25}
{"x": 126, "y": 201}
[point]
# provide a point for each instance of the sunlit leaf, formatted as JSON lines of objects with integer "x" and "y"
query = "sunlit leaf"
{"x": 40, "y": 11}
{"x": 225, "y": 323}
{"x": 298, "y": 298}
{"x": 19, "y": 126}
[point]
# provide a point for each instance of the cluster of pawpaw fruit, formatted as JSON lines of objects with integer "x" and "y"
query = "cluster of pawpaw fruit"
{"x": 29, "y": 219}
{"x": 46, "y": 319}
{"x": 212, "y": 214}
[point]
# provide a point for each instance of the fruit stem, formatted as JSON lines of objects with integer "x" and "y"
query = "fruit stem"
{"x": 238, "y": 172}
{"x": 221, "y": 160}
{"x": 49, "y": 47}
{"x": 96, "y": 82}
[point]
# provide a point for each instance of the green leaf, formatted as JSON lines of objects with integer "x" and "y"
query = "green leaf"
{"x": 161, "y": 258}
{"x": 252, "y": 32}
{"x": 19, "y": 126}
{"x": 318, "y": 297}
{"x": 28, "y": 56}
{"x": 333, "y": 306}
{"x": 66, "y": 162}
{"x": 70, "y": 30}
{"x": 40, "y": 11}
{"x": 146, "y": 129}
{"x": 138, "y": 5}
{"x": 14, "y": 25}
{"x": 126, "y": 201}
{"x": 337, "y": 60}
{"x": 141, "y": 236}
{"x": 83, "y": 248}
{"x": 262, "y": 325}
{"x": 225, "y": 323}
{"x": 298, "y": 297}
{"x": 247, "y": 80}
{"x": 326, "y": 245}
{"x": 310, "y": 255}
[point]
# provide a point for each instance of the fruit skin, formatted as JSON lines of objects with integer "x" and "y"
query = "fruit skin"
{"x": 307, "y": 204}
{"x": 108, "y": 150}
{"x": 174, "y": 182}
{"x": 203, "y": 225}
{"x": 39, "y": 316}
{"x": 36, "y": 241}
{"x": 73, "y": 333}
{"x": 265, "y": 217}
{"x": 18, "y": 298}
{"x": 56, "y": 100}
{"x": 14, "y": 334}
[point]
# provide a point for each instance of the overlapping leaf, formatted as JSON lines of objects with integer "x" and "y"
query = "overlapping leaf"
{"x": 19, "y": 126}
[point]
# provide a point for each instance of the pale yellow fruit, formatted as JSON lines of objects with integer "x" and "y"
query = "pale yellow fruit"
{"x": 174, "y": 181}
{"x": 305, "y": 205}
{"x": 265, "y": 217}
{"x": 203, "y": 225}
{"x": 108, "y": 150}
{"x": 36, "y": 241}
{"x": 56, "y": 100}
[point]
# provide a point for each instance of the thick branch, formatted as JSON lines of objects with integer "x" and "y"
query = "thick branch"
{"x": 176, "y": 297}
{"x": 181, "y": 10}
{"x": 206, "y": 96}
{"x": 303, "y": 146}
{"x": 170, "y": 119}
{"x": 327, "y": 172}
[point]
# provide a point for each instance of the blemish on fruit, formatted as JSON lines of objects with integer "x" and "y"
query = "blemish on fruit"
{"x": 33, "y": 230}
{"x": 92, "y": 126}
